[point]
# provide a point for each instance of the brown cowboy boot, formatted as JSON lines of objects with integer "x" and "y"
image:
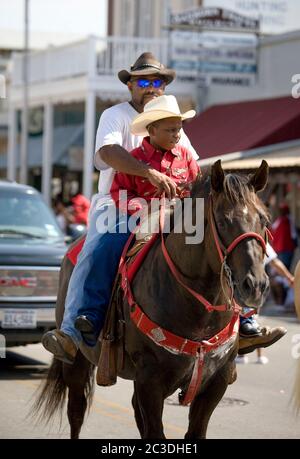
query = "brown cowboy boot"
{"x": 60, "y": 345}
{"x": 266, "y": 337}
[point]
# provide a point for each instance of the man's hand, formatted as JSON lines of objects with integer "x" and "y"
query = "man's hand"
{"x": 162, "y": 183}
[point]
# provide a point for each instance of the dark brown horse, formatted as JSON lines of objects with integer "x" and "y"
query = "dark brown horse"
{"x": 236, "y": 210}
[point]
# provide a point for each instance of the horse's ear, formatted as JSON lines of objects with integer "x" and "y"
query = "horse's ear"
{"x": 260, "y": 178}
{"x": 217, "y": 176}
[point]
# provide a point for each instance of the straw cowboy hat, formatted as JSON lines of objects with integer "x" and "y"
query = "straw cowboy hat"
{"x": 147, "y": 64}
{"x": 155, "y": 110}
{"x": 297, "y": 289}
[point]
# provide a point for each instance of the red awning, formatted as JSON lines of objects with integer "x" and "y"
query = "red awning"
{"x": 242, "y": 126}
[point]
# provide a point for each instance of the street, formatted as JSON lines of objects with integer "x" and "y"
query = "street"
{"x": 257, "y": 405}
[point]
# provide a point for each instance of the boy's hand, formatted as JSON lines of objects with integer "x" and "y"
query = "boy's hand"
{"x": 162, "y": 183}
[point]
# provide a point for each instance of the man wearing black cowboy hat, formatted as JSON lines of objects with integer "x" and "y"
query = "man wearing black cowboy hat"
{"x": 146, "y": 80}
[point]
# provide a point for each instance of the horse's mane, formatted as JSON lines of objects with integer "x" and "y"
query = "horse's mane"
{"x": 236, "y": 190}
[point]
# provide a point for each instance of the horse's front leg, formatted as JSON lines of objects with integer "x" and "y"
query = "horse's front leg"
{"x": 150, "y": 399}
{"x": 205, "y": 403}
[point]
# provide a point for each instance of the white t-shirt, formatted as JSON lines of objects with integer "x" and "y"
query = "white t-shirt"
{"x": 114, "y": 129}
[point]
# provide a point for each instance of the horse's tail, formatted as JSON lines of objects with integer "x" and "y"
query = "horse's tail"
{"x": 51, "y": 394}
{"x": 78, "y": 377}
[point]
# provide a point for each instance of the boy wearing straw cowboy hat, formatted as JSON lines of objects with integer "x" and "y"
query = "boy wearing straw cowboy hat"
{"x": 160, "y": 124}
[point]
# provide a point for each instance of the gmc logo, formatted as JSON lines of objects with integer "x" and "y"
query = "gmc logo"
{"x": 27, "y": 282}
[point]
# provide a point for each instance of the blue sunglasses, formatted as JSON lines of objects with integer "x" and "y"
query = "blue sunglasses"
{"x": 144, "y": 83}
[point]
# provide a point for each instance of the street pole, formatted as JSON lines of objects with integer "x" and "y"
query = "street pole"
{"x": 24, "y": 124}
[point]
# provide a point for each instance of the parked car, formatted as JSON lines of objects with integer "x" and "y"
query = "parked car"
{"x": 31, "y": 250}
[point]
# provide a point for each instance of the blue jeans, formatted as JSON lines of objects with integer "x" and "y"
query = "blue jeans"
{"x": 91, "y": 281}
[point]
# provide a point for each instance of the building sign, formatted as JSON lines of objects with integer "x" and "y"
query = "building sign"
{"x": 276, "y": 16}
{"x": 212, "y": 57}
{"x": 214, "y": 18}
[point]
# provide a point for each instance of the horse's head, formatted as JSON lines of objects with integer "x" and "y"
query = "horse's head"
{"x": 235, "y": 210}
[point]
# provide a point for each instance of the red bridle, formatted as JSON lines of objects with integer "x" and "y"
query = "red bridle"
{"x": 222, "y": 251}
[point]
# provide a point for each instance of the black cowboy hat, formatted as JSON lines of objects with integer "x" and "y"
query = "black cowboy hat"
{"x": 147, "y": 64}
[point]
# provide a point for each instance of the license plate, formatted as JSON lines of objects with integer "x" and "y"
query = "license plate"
{"x": 16, "y": 318}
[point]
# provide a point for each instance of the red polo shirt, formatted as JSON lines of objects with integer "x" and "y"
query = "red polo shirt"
{"x": 178, "y": 164}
